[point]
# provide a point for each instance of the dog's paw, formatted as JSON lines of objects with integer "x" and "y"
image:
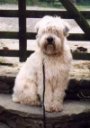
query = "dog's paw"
{"x": 30, "y": 101}
{"x": 55, "y": 107}
{"x": 48, "y": 108}
{"x": 15, "y": 99}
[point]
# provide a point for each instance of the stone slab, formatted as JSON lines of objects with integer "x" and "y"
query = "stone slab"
{"x": 12, "y": 115}
{"x": 70, "y": 107}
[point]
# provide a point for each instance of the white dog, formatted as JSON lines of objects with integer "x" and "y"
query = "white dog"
{"x": 55, "y": 54}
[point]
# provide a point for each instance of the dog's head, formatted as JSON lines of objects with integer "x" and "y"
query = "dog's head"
{"x": 51, "y": 32}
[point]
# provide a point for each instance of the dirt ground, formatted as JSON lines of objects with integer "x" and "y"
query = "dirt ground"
{"x": 80, "y": 69}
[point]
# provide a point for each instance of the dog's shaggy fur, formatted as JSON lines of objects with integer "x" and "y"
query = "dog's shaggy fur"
{"x": 55, "y": 54}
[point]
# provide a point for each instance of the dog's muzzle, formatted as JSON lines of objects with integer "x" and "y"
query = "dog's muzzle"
{"x": 50, "y": 42}
{"x": 50, "y": 45}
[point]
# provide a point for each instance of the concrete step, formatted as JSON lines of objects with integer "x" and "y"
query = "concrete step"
{"x": 76, "y": 114}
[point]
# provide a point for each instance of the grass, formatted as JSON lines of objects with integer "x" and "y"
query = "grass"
{"x": 81, "y": 6}
{"x": 8, "y": 1}
{"x": 44, "y": 4}
{"x": 88, "y": 21}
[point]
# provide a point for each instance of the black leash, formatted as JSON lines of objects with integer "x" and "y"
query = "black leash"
{"x": 43, "y": 106}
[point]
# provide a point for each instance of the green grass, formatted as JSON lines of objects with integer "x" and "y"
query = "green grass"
{"x": 44, "y": 4}
{"x": 88, "y": 21}
{"x": 81, "y": 6}
{"x": 8, "y": 1}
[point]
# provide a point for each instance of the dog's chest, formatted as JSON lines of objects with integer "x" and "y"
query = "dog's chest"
{"x": 55, "y": 71}
{"x": 51, "y": 70}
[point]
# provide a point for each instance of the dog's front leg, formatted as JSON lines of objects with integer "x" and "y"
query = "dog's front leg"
{"x": 48, "y": 98}
{"x": 58, "y": 97}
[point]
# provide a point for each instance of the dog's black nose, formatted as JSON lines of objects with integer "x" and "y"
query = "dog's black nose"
{"x": 50, "y": 40}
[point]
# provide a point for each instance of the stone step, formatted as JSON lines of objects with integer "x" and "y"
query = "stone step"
{"x": 76, "y": 114}
{"x": 78, "y": 89}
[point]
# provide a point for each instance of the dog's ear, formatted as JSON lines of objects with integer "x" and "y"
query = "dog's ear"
{"x": 62, "y": 23}
{"x": 66, "y": 29}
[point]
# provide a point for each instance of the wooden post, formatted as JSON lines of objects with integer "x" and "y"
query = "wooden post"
{"x": 22, "y": 29}
{"x": 78, "y": 16}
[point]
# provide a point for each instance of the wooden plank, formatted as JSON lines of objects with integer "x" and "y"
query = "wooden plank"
{"x": 41, "y": 13}
{"x": 22, "y": 29}
{"x": 9, "y": 53}
{"x": 78, "y": 16}
{"x": 9, "y": 13}
{"x": 81, "y": 56}
{"x": 62, "y": 13}
{"x": 31, "y": 35}
{"x": 13, "y": 53}
{"x": 86, "y": 14}
{"x": 79, "y": 37}
{"x": 7, "y": 35}
{"x": 76, "y": 55}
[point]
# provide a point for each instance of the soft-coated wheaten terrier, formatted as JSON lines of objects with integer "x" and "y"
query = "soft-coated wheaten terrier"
{"x": 55, "y": 54}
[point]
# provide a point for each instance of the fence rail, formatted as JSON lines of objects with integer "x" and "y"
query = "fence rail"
{"x": 22, "y": 35}
{"x": 39, "y": 13}
{"x": 31, "y": 35}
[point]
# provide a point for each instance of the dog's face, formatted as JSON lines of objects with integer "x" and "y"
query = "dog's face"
{"x": 51, "y": 32}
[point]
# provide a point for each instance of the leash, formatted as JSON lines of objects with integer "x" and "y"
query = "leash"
{"x": 43, "y": 106}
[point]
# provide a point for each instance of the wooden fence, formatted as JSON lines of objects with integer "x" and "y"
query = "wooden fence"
{"x": 22, "y": 35}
